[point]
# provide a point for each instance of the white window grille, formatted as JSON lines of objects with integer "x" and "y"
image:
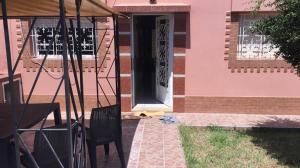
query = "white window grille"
{"x": 43, "y": 32}
{"x": 253, "y": 46}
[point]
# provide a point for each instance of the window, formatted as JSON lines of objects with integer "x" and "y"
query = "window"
{"x": 43, "y": 32}
{"x": 252, "y": 46}
{"x": 246, "y": 51}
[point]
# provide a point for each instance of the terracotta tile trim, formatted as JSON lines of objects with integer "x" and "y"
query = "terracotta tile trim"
{"x": 152, "y": 8}
{"x": 179, "y": 66}
{"x": 126, "y": 104}
{"x": 179, "y": 104}
{"x": 179, "y": 85}
{"x": 126, "y": 85}
{"x": 32, "y": 64}
{"x": 230, "y": 53}
{"x": 243, "y": 105}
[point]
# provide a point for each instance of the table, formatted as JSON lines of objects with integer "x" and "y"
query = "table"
{"x": 33, "y": 114}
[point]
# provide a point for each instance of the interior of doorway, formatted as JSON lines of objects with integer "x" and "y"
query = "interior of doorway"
{"x": 145, "y": 64}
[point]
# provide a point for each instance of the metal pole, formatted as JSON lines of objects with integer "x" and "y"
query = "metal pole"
{"x": 24, "y": 44}
{"x": 79, "y": 58}
{"x": 117, "y": 59}
{"x": 66, "y": 80}
{"x": 11, "y": 80}
{"x": 96, "y": 59}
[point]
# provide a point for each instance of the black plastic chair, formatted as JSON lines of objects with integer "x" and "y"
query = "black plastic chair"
{"x": 42, "y": 152}
{"x": 105, "y": 127}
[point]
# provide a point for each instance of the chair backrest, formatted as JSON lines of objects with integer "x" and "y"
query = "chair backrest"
{"x": 105, "y": 123}
{"x": 42, "y": 151}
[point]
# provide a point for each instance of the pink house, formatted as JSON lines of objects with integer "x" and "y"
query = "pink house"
{"x": 176, "y": 55}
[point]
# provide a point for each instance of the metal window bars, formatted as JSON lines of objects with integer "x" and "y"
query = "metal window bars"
{"x": 76, "y": 146}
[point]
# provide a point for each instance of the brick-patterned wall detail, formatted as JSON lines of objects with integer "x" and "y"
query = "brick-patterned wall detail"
{"x": 231, "y": 42}
{"x": 125, "y": 49}
{"x": 126, "y": 104}
{"x": 125, "y": 65}
{"x": 179, "y": 85}
{"x": 125, "y": 85}
{"x": 179, "y": 104}
{"x": 243, "y": 105}
{"x": 32, "y": 64}
{"x": 125, "y": 60}
{"x": 152, "y": 8}
{"x": 179, "y": 65}
{"x": 178, "y": 62}
{"x": 180, "y": 45}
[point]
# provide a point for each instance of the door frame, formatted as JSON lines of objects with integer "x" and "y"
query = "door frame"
{"x": 171, "y": 53}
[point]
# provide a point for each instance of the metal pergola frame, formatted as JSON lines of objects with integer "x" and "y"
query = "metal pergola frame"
{"x": 76, "y": 156}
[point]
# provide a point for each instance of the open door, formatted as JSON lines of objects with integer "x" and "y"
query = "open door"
{"x": 163, "y": 60}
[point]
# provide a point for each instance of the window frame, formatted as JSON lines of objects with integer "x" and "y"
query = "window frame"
{"x": 31, "y": 61}
{"x": 250, "y": 65}
{"x": 245, "y": 22}
{"x": 52, "y": 24}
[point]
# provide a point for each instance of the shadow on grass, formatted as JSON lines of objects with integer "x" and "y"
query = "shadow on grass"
{"x": 281, "y": 143}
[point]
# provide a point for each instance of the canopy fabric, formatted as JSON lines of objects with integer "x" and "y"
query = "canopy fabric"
{"x": 50, "y": 8}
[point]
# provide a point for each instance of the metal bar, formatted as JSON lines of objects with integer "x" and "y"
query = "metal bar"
{"x": 110, "y": 85}
{"x": 73, "y": 102}
{"x": 117, "y": 58}
{"x": 73, "y": 63}
{"x": 38, "y": 75}
{"x": 44, "y": 129}
{"x": 104, "y": 94}
{"x": 66, "y": 81}
{"x": 28, "y": 152}
{"x": 79, "y": 53}
{"x": 53, "y": 99}
{"x": 107, "y": 78}
{"x": 74, "y": 71}
{"x": 52, "y": 150}
{"x": 96, "y": 56}
{"x": 79, "y": 59}
{"x": 11, "y": 79}
{"x": 101, "y": 41}
{"x": 117, "y": 67}
{"x": 24, "y": 45}
{"x": 105, "y": 54}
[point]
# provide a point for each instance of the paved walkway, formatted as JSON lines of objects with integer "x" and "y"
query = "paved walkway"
{"x": 148, "y": 143}
{"x": 239, "y": 120}
{"x": 156, "y": 145}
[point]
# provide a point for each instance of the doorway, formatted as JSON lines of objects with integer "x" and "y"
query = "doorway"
{"x": 152, "y": 62}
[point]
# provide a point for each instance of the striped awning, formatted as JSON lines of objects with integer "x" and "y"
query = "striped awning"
{"x": 50, "y": 8}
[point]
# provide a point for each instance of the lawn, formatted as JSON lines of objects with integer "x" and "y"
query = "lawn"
{"x": 214, "y": 147}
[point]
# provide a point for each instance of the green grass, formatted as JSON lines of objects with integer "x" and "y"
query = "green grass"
{"x": 214, "y": 147}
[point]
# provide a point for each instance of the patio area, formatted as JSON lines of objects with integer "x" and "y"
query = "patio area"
{"x": 148, "y": 143}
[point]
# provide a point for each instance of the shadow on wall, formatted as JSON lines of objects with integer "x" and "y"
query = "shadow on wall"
{"x": 281, "y": 143}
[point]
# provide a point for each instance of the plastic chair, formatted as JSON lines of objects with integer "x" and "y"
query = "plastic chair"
{"x": 105, "y": 127}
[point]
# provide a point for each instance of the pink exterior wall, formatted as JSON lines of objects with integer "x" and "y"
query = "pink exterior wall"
{"x": 207, "y": 73}
{"x": 46, "y": 84}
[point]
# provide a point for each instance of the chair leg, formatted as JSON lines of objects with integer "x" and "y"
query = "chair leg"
{"x": 106, "y": 149}
{"x": 92, "y": 154}
{"x": 120, "y": 152}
